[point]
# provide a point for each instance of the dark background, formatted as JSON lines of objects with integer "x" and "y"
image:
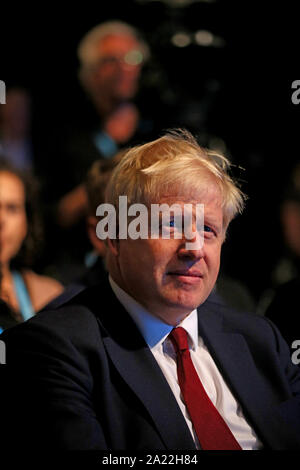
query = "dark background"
{"x": 239, "y": 93}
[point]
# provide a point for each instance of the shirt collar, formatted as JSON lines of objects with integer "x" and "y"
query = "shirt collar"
{"x": 153, "y": 329}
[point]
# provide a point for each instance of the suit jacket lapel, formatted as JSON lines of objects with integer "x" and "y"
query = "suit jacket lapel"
{"x": 137, "y": 366}
{"x": 252, "y": 390}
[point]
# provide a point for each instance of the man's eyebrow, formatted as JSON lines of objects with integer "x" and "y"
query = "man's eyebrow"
{"x": 209, "y": 220}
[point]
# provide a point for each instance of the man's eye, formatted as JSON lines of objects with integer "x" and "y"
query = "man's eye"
{"x": 208, "y": 229}
{"x": 168, "y": 223}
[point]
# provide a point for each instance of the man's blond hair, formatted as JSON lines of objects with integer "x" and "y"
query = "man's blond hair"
{"x": 174, "y": 165}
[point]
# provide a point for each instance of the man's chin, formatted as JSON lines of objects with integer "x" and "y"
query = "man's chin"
{"x": 182, "y": 306}
{"x": 190, "y": 302}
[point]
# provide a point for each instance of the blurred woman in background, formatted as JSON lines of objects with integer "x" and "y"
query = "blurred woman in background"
{"x": 23, "y": 290}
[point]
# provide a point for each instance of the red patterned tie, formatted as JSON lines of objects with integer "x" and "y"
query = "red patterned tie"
{"x": 212, "y": 431}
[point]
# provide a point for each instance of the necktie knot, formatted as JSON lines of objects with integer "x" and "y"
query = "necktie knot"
{"x": 179, "y": 339}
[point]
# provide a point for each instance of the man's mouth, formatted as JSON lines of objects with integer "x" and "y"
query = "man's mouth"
{"x": 187, "y": 276}
{"x": 189, "y": 273}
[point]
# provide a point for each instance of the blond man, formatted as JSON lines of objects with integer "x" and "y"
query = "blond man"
{"x": 145, "y": 361}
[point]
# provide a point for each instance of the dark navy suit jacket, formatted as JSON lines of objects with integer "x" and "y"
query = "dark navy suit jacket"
{"x": 82, "y": 377}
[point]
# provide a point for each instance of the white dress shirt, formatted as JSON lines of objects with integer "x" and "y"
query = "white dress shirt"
{"x": 155, "y": 333}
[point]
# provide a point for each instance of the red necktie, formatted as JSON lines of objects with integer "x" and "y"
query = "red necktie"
{"x": 212, "y": 431}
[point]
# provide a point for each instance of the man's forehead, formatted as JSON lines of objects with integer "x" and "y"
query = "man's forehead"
{"x": 208, "y": 202}
{"x": 178, "y": 198}
{"x": 192, "y": 196}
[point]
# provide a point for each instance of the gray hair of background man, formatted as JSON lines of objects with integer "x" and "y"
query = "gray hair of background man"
{"x": 89, "y": 54}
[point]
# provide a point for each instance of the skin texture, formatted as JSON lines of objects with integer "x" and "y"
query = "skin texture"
{"x": 161, "y": 274}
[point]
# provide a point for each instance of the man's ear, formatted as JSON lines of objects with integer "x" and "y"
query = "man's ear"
{"x": 99, "y": 245}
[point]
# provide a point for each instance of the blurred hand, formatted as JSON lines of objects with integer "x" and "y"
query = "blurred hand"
{"x": 122, "y": 123}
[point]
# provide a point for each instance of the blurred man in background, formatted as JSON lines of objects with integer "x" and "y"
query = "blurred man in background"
{"x": 111, "y": 57}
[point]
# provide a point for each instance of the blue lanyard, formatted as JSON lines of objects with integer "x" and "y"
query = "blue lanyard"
{"x": 105, "y": 144}
{"x": 24, "y": 301}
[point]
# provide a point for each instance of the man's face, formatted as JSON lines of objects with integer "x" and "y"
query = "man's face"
{"x": 119, "y": 67}
{"x": 166, "y": 278}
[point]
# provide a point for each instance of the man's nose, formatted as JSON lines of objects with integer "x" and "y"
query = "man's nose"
{"x": 193, "y": 248}
{"x": 129, "y": 70}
